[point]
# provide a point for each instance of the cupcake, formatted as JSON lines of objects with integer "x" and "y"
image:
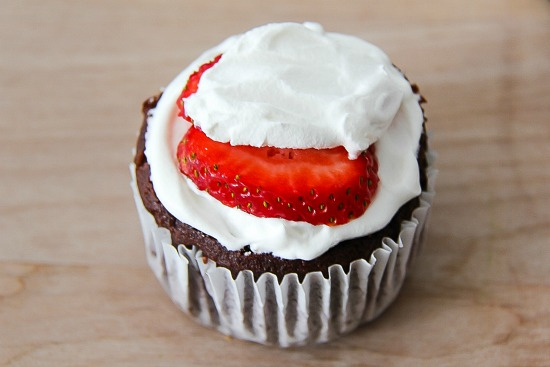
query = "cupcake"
{"x": 283, "y": 183}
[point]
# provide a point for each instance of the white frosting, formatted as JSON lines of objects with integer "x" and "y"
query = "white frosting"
{"x": 396, "y": 140}
{"x": 299, "y": 87}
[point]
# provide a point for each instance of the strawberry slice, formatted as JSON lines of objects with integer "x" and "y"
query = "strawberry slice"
{"x": 311, "y": 185}
{"x": 192, "y": 86}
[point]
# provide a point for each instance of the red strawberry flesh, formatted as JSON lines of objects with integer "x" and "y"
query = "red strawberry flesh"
{"x": 318, "y": 186}
{"x": 192, "y": 86}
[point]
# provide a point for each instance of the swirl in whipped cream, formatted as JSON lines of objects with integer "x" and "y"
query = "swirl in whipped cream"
{"x": 290, "y": 85}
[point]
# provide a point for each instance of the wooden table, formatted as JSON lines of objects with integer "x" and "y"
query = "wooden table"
{"x": 75, "y": 289}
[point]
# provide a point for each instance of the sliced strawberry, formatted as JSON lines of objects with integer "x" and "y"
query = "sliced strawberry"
{"x": 316, "y": 186}
{"x": 192, "y": 86}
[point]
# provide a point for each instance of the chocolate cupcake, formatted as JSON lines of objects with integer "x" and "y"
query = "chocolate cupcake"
{"x": 283, "y": 182}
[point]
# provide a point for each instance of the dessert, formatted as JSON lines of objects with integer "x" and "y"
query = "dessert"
{"x": 283, "y": 181}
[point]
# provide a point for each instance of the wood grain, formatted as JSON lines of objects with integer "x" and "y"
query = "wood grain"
{"x": 74, "y": 286}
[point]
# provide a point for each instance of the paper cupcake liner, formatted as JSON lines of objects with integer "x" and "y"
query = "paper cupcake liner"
{"x": 291, "y": 312}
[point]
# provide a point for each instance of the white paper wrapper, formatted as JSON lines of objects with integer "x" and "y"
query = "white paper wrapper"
{"x": 291, "y": 312}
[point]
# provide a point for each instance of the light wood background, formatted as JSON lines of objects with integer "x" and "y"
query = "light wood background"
{"x": 75, "y": 289}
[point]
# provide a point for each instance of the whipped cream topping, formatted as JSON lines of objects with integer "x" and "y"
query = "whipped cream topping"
{"x": 396, "y": 140}
{"x": 299, "y": 87}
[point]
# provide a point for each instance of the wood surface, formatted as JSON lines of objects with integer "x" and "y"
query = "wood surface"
{"x": 75, "y": 289}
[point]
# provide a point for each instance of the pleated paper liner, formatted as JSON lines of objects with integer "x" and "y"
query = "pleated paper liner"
{"x": 291, "y": 312}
